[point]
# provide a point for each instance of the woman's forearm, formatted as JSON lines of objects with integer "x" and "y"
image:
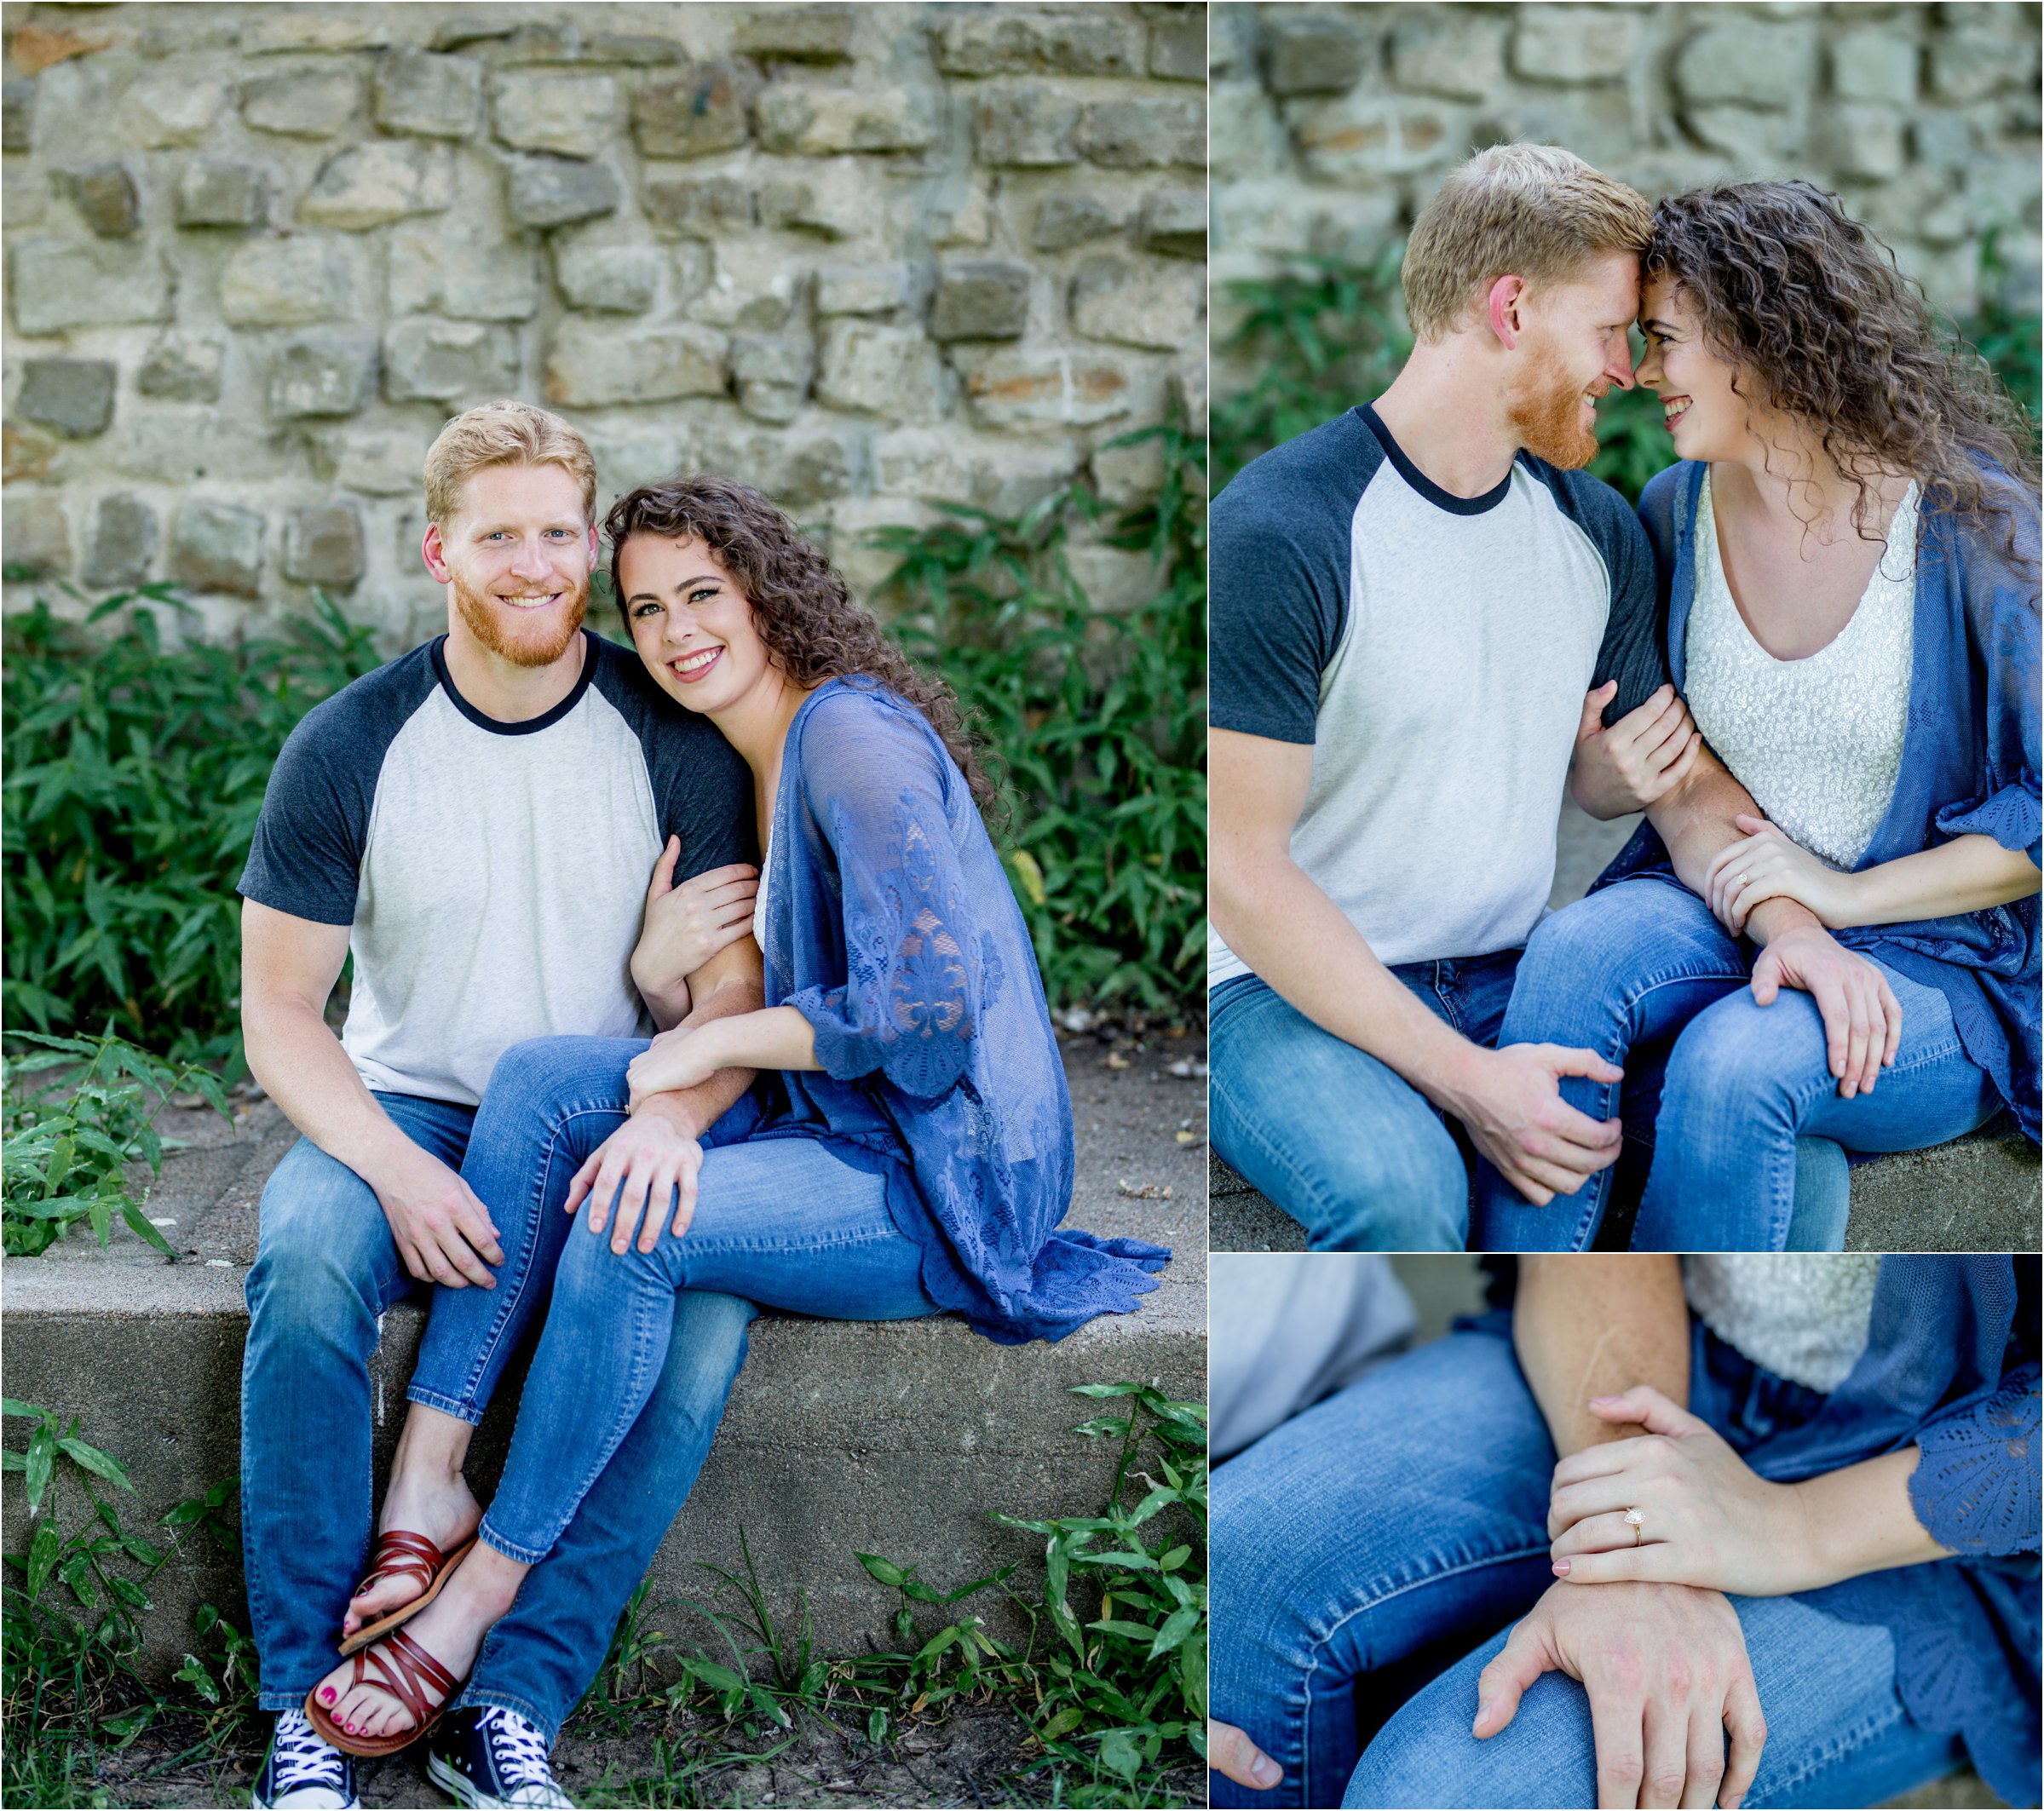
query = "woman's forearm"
{"x": 1593, "y": 1325}
{"x": 1860, "y": 1519}
{"x": 1967, "y": 874}
{"x": 775, "y": 1037}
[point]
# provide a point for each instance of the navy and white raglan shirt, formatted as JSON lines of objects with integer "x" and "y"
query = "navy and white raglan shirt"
{"x": 1434, "y": 650}
{"x": 494, "y": 874}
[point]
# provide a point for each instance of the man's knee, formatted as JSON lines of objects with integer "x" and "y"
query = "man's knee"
{"x": 1388, "y": 1187}
{"x": 326, "y": 1248}
{"x": 1425, "y": 1755}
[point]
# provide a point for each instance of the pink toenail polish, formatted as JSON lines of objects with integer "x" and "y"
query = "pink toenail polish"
{"x": 326, "y": 1697}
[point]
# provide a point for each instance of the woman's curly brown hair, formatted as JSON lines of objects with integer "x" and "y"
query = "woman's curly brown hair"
{"x": 1810, "y": 308}
{"x": 801, "y": 606}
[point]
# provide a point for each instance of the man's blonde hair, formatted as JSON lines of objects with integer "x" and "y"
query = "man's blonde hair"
{"x": 1526, "y": 210}
{"x": 503, "y": 433}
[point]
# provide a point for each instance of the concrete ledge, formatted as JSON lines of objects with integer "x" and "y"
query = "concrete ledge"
{"x": 894, "y": 1438}
{"x": 1977, "y": 1194}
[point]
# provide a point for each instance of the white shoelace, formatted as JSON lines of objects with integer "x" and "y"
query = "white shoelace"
{"x": 304, "y": 1758}
{"x": 519, "y": 1750}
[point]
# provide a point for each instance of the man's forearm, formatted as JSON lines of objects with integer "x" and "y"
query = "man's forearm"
{"x": 1591, "y": 1325}
{"x": 300, "y": 1063}
{"x": 696, "y": 1110}
{"x": 1695, "y": 820}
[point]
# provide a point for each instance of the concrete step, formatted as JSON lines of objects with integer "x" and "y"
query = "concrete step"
{"x": 1977, "y": 1193}
{"x": 841, "y": 1437}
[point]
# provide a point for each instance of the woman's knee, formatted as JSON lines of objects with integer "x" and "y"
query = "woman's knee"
{"x": 533, "y": 1075}
{"x": 590, "y": 1274}
{"x": 1739, "y": 1055}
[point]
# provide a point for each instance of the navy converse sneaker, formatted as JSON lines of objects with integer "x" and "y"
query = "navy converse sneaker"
{"x": 302, "y": 1773}
{"x": 489, "y": 1756}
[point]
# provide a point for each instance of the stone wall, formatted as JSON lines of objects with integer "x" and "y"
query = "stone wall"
{"x": 866, "y": 256}
{"x": 1332, "y": 125}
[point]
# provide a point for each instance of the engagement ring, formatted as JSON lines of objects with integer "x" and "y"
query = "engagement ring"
{"x": 1634, "y": 1517}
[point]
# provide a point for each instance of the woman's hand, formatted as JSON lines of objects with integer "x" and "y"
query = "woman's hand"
{"x": 1232, "y": 1752}
{"x": 1636, "y": 763}
{"x": 681, "y": 1058}
{"x": 1863, "y": 1018}
{"x": 684, "y": 926}
{"x": 1705, "y": 1517}
{"x": 1766, "y": 864}
{"x": 1665, "y": 1670}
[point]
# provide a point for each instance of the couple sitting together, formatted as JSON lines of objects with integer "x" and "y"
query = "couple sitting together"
{"x": 1811, "y": 659}
{"x": 871, "y": 1123}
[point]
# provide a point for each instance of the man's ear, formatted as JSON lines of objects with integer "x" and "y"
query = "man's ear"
{"x": 433, "y": 551}
{"x": 1506, "y": 305}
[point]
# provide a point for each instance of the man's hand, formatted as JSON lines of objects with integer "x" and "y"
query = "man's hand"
{"x": 1235, "y": 1755}
{"x": 1863, "y": 1018}
{"x": 1643, "y": 756}
{"x": 1510, "y": 1100}
{"x": 684, "y": 926}
{"x": 443, "y": 1232}
{"x": 1666, "y": 1669}
{"x": 636, "y": 1168}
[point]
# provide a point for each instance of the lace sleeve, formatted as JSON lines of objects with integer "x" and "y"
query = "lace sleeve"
{"x": 909, "y": 1007}
{"x": 1976, "y": 1487}
{"x": 2002, "y": 614}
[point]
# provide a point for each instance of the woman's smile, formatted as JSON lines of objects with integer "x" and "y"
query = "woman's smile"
{"x": 691, "y": 667}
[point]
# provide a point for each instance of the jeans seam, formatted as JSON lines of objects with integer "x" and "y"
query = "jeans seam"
{"x": 1829, "y": 1752}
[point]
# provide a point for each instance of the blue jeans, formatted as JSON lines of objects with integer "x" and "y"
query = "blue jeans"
{"x": 1721, "y": 1087}
{"x": 1388, "y": 1536}
{"x": 799, "y": 1224}
{"x": 1340, "y": 1141}
{"x": 326, "y": 1271}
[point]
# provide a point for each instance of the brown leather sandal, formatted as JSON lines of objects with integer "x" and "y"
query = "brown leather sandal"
{"x": 398, "y": 1554}
{"x": 406, "y": 1671}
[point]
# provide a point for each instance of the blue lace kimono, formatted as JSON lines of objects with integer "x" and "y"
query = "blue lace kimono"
{"x": 1970, "y": 763}
{"x": 891, "y": 927}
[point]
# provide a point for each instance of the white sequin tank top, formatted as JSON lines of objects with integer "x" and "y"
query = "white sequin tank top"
{"x": 1816, "y": 741}
{"x": 1802, "y": 1315}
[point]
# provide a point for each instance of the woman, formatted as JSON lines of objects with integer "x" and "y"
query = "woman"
{"x": 914, "y": 1151}
{"x": 1828, "y": 1597}
{"x": 1848, "y": 554}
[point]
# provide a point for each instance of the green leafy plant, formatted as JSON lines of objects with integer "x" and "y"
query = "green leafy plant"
{"x": 71, "y": 1143}
{"x": 134, "y": 773}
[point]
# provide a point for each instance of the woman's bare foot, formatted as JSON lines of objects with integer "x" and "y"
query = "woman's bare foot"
{"x": 428, "y": 1496}
{"x": 451, "y": 1629}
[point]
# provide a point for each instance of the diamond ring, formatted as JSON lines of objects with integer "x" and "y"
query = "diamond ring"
{"x": 1634, "y": 1518}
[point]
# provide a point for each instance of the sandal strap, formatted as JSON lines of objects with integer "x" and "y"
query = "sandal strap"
{"x": 403, "y": 1667}
{"x": 402, "y": 1555}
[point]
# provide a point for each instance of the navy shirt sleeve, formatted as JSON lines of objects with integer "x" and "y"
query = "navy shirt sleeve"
{"x": 306, "y": 858}
{"x": 1278, "y": 568}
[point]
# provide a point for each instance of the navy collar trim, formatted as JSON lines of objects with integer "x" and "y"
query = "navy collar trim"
{"x": 591, "y": 650}
{"x": 1425, "y": 486}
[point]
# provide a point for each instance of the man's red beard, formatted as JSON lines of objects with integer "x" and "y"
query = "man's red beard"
{"x": 545, "y": 638}
{"x": 1546, "y": 415}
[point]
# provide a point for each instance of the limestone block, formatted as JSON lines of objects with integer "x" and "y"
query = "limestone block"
{"x": 120, "y": 541}
{"x": 1125, "y": 476}
{"x": 981, "y": 299}
{"x": 961, "y": 213}
{"x": 38, "y": 535}
{"x": 861, "y": 289}
{"x": 27, "y": 455}
{"x": 285, "y": 282}
{"x": 1134, "y": 305}
{"x": 217, "y": 546}
{"x": 1026, "y": 127}
{"x": 2002, "y": 192}
{"x": 1066, "y": 219}
{"x": 698, "y": 207}
{"x": 1750, "y": 63}
{"x": 379, "y": 462}
{"x": 269, "y": 31}
{"x": 376, "y": 182}
{"x": 1145, "y": 132}
{"x": 57, "y": 284}
{"x": 1046, "y": 386}
{"x": 796, "y": 466}
{"x": 211, "y": 193}
{"x": 1359, "y": 137}
{"x": 773, "y": 373}
{"x": 1751, "y": 137}
{"x": 592, "y": 363}
{"x": 800, "y": 34}
{"x": 1869, "y": 64}
{"x": 427, "y": 360}
{"x": 1246, "y": 137}
{"x": 753, "y": 286}
{"x": 17, "y": 114}
{"x": 1188, "y": 391}
{"x": 1010, "y": 40}
{"x": 1112, "y": 578}
{"x": 104, "y": 195}
{"x": 627, "y": 457}
{"x": 1280, "y": 219}
{"x": 872, "y": 368}
{"x": 1945, "y": 139}
{"x": 607, "y": 279}
{"x": 1970, "y": 64}
{"x": 556, "y": 191}
{"x": 1564, "y": 44}
{"x": 428, "y": 96}
{"x": 183, "y": 445}
{"x": 323, "y": 546}
{"x": 1173, "y": 222}
{"x": 1177, "y": 44}
{"x": 313, "y": 103}
{"x": 181, "y": 369}
{"x": 811, "y": 122}
{"x": 1863, "y": 141}
{"x": 314, "y": 376}
{"x": 923, "y": 462}
{"x": 1310, "y": 52}
{"x": 464, "y": 274}
{"x": 162, "y": 110}
{"x": 72, "y": 397}
{"x": 700, "y": 111}
{"x": 1460, "y": 59}
{"x": 550, "y": 109}
{"x": 835, "y": 200}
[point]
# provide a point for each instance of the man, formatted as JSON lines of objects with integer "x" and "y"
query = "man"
{"x": 474, "y": 823}
{"x": 1408, "y": 604}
